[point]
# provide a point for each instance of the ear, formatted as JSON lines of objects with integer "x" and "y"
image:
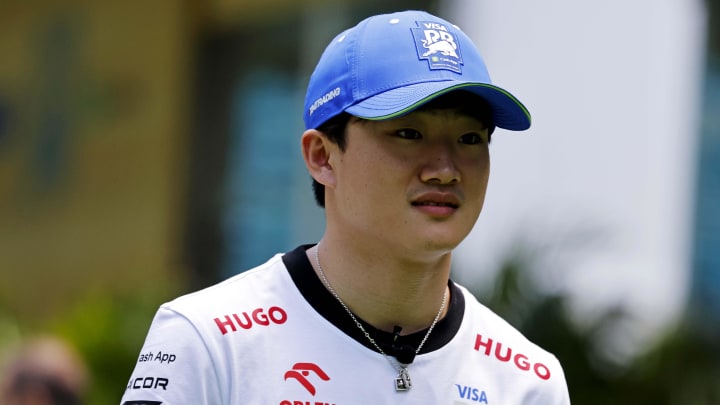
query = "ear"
{"x": 317, "y": 150}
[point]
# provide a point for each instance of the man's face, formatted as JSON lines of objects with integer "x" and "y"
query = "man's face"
{"x": 415, "y": 183}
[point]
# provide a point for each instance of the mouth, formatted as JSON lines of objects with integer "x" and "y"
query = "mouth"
{"x": 437, "y": 204}
{"x": 434, "y": 204}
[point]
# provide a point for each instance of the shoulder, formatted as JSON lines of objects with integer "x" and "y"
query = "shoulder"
{"x": 490, "y": 325}
{"x": 250, "y": 287}
{"x": 501, "y": 344}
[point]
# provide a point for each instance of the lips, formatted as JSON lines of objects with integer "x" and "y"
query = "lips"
{"x": 437, "y": 199}
{"x": 434, "y": 204}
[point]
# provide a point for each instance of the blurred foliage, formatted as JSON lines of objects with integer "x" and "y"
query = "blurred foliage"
{"x": 107, "y": 329}
{"x": 682, "y": 367}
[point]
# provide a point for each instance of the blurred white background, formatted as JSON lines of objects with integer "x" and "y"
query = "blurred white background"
{"x": 601, "y": 186}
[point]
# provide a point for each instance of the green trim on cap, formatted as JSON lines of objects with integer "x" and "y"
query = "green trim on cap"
{"x": 415, "y": 105}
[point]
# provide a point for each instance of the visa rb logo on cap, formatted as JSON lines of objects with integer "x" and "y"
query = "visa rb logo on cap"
{"x": 438, "y": 45}
{"x": 388, "y": 65}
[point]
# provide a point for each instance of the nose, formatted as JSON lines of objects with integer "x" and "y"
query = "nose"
{"x": 440, "y": 167}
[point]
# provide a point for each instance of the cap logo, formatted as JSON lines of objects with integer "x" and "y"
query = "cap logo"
{"x": 438, "y": 45}
{"x": 324, "y": 99}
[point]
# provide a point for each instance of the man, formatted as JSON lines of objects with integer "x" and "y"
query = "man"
{"x": 398, "y": 115}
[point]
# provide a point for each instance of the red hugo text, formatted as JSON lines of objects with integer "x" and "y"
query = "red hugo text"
{"x": 520, "y": 360}
{"x": 303, "y": 403}
{"x": 231, "y": 323}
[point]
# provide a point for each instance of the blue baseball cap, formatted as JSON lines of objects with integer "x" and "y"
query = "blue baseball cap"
{"x": 390, "y": 64}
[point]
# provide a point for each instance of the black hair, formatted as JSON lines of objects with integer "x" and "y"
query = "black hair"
{"x": 464, "y": 102}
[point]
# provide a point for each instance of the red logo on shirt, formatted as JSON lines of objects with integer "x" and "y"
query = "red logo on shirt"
{"x": 300, "y": 371}
{"x": 231, "y": 323}
{"x": 520, "y": 360}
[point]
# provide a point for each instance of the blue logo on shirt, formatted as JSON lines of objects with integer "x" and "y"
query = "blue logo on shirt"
{"x": 471, "y": 393}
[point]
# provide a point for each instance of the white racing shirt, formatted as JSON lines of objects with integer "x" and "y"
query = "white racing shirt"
{"x": 275, "y": 335}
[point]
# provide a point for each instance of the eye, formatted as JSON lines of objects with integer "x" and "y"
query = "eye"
{"x": 471, "y": 138}
{"x": 407, "y": 133}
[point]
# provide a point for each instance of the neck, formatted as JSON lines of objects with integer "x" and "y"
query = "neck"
{"x": 385, "y": 291}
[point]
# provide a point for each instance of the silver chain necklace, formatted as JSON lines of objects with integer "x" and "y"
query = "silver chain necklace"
{"x": 402, "y": 381}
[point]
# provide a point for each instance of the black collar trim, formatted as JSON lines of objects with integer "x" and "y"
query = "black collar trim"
{"x": 315, "y": 293}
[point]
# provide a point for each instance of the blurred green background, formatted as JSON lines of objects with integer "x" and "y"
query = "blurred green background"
{"x": 140, "y": 143}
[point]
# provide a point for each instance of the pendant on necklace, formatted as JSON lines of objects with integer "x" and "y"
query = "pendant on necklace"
{"x": 402, "y": 381}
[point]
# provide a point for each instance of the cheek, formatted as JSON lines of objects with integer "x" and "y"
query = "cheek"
{"x": 486, "y": 174}
{"x": 485, "y": 178}
{"x": 361, "y": 180}
{"x": 477, "y": 182}
{"x": 477, "y": 170}
{"x": 485, "y": 167}
{"x": 376, "y": 187}
{"x": 373, "y": 169}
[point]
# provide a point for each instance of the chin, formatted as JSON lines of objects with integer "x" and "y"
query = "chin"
{"x": 441, "y": 244}
{"x": 446, "y": 237}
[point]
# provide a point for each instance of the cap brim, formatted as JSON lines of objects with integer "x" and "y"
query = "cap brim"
{"x": 507, "y": 111}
